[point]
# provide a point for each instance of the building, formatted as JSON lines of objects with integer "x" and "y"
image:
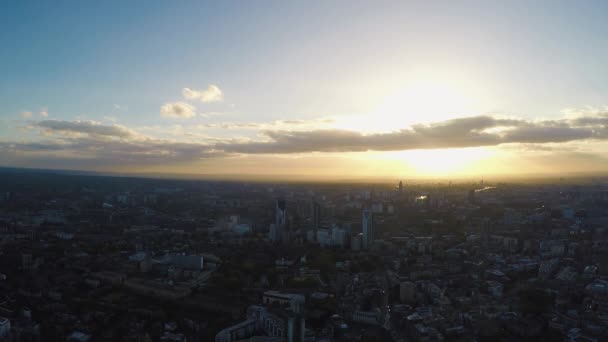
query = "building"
{"x": 547, "y": 268}
{"x": 273, "y": 233}
{"x": 280, "y": 233}
{"x": 368, "y": 317}
{"x": 338, "y": 236}
{"x": 407, "y": 292}
{"x": 367, "y": 228}
{"x": 316, "y": 215}
{"x": 324, "y": 237}
{"x": 377, "y": 208}
{"x": 310, "y": 236}
{"x": 238, "y": 331}
{"x": 355, "y": 242}
{"x": 495, "y": 288}
{"x": 261, "y": 321}
{"x": 289, "y": 326}
{"x": 189, "y": 262}
{"x": 5, "y": 328}
{"x": 295, "y": 301}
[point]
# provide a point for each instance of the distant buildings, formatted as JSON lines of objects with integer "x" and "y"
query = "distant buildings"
{"x": 521, "y": 262}
{"x": 325, "y": 237}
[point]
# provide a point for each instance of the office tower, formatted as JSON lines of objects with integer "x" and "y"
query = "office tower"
{"x": 5, "y": 328}
{"x": 272, "y": 233}
{"x": 355, "y": 242}
{"x": 296, "y": 327}
{"x": 280, "y": 232}
{"x": 367, "y": 228}
{"x": 400, "y": 186}
{"x": 316, "y": 214}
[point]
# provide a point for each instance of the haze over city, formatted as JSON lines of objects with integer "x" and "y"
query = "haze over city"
{"x": 303, "y": 171}
{"x": 305, "y": 90}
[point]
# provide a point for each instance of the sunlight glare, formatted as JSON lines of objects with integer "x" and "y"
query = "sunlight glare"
{"x": 442, "y": 162}
{"x": 421, "y": 101}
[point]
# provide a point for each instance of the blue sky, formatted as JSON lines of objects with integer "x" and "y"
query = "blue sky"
{"x": 119, "y": 62}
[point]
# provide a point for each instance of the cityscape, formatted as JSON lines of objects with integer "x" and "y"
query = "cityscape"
{"x": 98, "y": 258}
{"x": 304, "y": 171}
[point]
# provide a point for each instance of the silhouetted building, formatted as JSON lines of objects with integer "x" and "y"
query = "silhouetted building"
{"x": 5, "y": 328}
{"x": 280, "y": 229}
{"x": 316, "y": 214}
{"x": 367, "y": 228}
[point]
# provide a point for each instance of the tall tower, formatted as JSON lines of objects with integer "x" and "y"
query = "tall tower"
{"x": 367, "y": 227}
{"x": 400, "y": 186}
{"x": 316, "y": 214}
{"x": 296, "y": 327}
{"x": 280, "y": 222}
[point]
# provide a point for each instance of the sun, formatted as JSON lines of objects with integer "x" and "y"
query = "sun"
{"x": 417, "y": 101}
{"x": 424, "y": 99}
{"x": 441, "y": 162}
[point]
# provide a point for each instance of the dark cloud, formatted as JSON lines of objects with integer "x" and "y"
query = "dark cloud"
{"x": 119, "y": 144}
{"x": 456, "y": 133}
{"x": 112, "y": 143}
{"x": 546, "y": 134}
{"x": 86, "y": 127}
{"x": 591, "y": 121}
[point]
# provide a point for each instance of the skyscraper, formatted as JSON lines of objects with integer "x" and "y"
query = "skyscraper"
{"x": 316, "y": 214}
{"x": 280, "y": 232}
{"x": 400, "y": 186}
{"x": 367, "y": 227}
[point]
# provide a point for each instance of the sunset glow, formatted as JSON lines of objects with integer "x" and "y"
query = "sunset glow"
{"x": 398, "y": 90}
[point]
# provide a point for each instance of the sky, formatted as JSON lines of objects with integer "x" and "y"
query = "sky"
{"x": 309, "y": 89}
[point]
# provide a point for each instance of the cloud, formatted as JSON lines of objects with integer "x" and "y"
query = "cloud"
{"x": 456, "y": 133}
{"x": 26, "y": 114}
{"x": 114, "y": 152}
{"x": 44, "y": 113}
{"x": 267, "y": 125}
{"x": 117, "y": 144}
{"x": 177, "y": 110}
{"x": 104, "y": 145}
{"x": 92, "y": 128}
{"x": 212, "y": 94}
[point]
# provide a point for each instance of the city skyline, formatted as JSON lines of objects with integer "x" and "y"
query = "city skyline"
{"x": 307, "y": 91}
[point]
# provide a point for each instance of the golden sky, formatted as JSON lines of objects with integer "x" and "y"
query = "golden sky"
{"x": 310, "y": 90}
